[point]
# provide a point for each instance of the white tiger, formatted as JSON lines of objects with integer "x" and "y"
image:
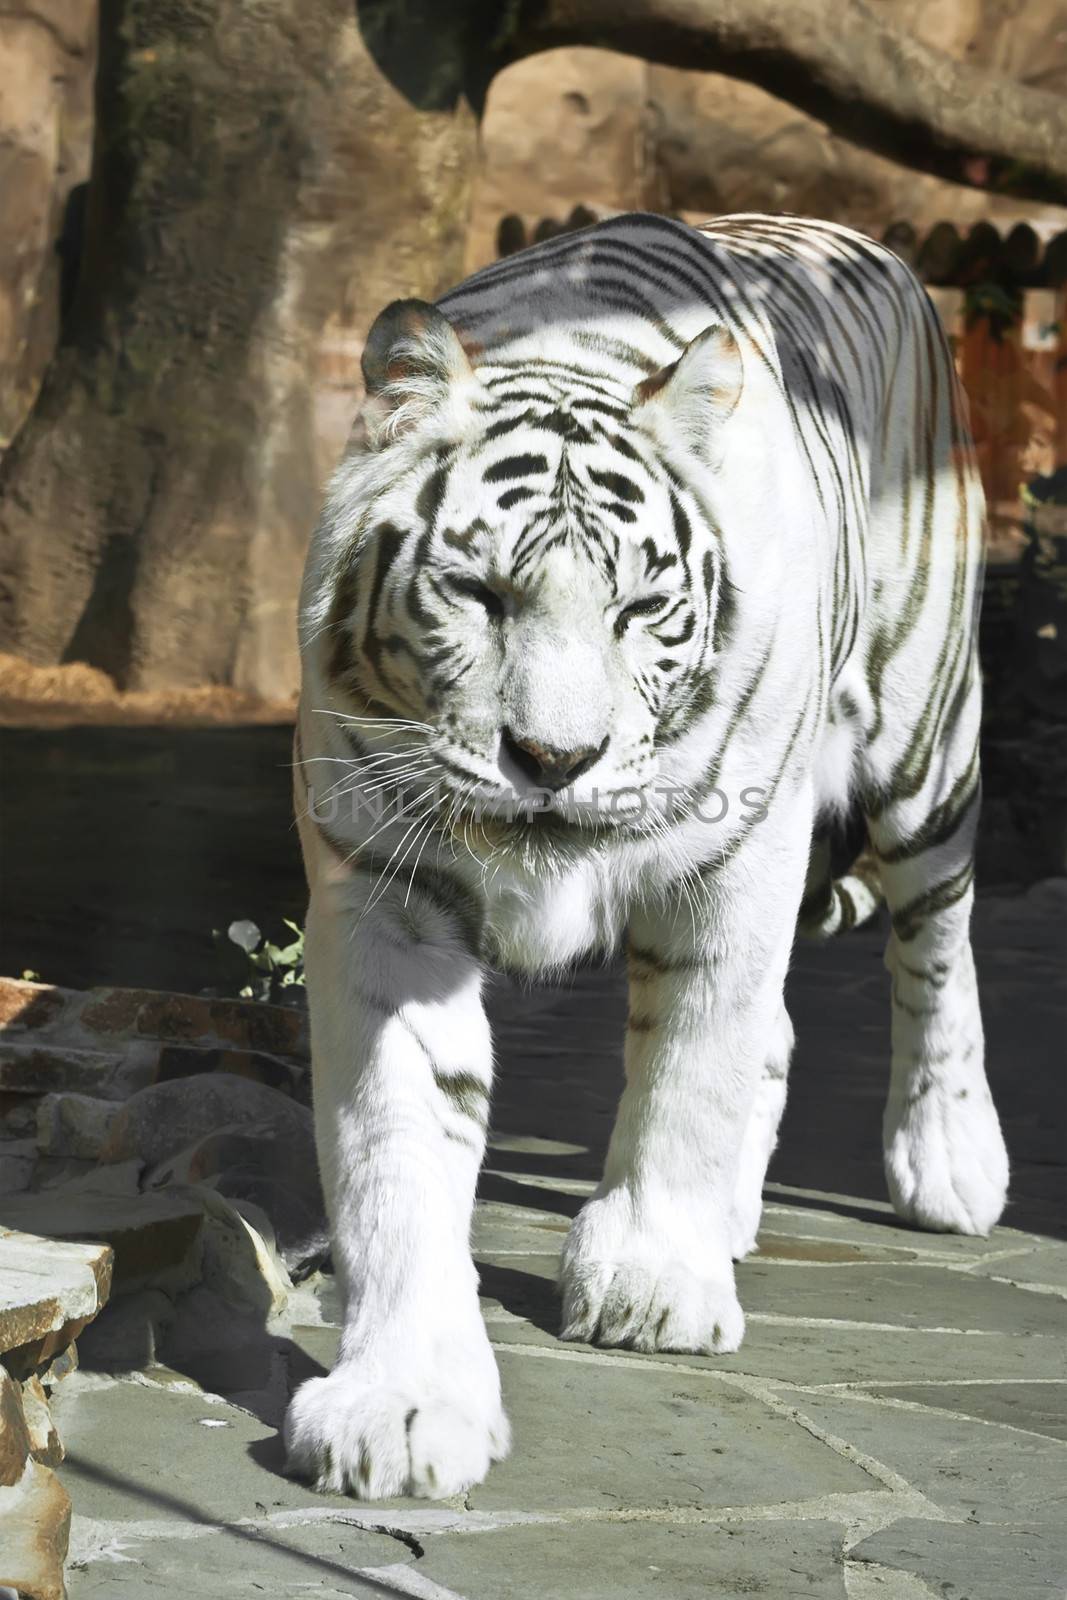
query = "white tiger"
{"x": 645, "y": 520}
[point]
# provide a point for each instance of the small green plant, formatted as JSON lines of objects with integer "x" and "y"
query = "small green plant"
{"x": 1001, "y": 306}
{"x": 273, "y": 968}
{"x": 1046, "y": 491}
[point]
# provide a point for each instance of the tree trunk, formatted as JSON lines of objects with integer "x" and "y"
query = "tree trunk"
{"x": 840, "y": 61}
{"x": 256, "y": 174}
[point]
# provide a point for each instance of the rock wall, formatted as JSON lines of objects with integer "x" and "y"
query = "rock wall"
{"x": 47, "y": 51}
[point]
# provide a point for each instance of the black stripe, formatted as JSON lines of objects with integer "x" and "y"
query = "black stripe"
{"x": 617, "y": 484}
{"x": 908, "y": 920}
{"x": 467, "y": 1094}
{"x": 512, "y": 467}
{"x": 515, "y": 497}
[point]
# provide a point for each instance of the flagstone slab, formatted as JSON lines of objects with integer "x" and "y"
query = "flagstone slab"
{"x": 808, "y": 1211}
{"x": 521, "y": 1306}
{"x": 826, "y": 1354}
{"x": 967, "y": 1467}
{"x": 109, "y": 1562}
{"x": 524, "y": 1287}
{"x": 1044, "y": 1266}
{"x": 167, "y": 1453}
{"x": 855, "y": 1280}
{"x": 650, "y": 1436}
{"x": 969, "y": 1561}
{"x": 911, "y": 1296}
{"x": 600, "y": 1433}
{"x": 1033, "y": 1406}
{"x": 786, "y": 1247}
{"x": 642, "y": 1560}
{"x": 829, "y": 1354}
{"x": 500, "y": 1226}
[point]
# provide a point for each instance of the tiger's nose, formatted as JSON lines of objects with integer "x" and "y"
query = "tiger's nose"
{"x": 547, "y": 767}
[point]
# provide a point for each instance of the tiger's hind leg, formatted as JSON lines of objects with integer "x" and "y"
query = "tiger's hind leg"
{"x": 830, "y": 905}
{"x": 945, "y": 1160}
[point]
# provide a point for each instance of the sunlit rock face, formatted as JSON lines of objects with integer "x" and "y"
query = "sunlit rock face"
{"x": 570, "y": 127}
{"x": 591, "y": 127}
{"x": 48, "y": 50}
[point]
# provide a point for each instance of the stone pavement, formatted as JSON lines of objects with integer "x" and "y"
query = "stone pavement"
{"x": 893, "y": 1427}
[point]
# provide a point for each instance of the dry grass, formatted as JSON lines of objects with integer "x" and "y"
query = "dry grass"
{"x": 32, "y": 696}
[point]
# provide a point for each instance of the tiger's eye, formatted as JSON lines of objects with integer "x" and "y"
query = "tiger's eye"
{"x": 638, "y": 608}
{"x": 481, "y": 593}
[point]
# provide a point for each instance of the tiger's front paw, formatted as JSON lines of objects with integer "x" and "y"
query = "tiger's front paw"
{"x": 626, "y": 1286}
{"x": 374, "y": 1429}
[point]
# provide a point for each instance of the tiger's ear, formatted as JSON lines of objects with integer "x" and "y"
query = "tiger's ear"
{"x": 685, "y": 400}
{"x": 412, "y": 362}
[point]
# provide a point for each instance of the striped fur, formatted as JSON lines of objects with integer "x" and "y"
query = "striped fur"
{"x": 694, "y": 515}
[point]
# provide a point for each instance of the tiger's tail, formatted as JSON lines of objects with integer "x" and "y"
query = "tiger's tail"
{"x": 832, "y": 905}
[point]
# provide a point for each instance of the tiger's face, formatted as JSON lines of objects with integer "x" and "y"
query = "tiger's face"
{"x": 535, "y": 586}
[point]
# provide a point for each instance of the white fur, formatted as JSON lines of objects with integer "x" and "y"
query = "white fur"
{"x": 760, "y": 1138}
{"x": 413, "y": 1404}
{"x": 402, "y": 1057}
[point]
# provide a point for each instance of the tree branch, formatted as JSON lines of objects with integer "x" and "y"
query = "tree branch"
{"x": 839, "y": 62}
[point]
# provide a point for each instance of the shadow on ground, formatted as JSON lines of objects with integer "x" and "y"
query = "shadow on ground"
{"x": 125, "y": 846}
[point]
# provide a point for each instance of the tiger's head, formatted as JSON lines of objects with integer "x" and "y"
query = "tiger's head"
{"x": 518, "y": 591}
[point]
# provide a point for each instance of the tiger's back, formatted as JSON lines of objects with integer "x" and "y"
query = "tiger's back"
{"x": 856, "y": 359}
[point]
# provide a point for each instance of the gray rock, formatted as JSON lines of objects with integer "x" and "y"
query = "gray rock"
{"x": 45, "y": 1443}
{"x": 34, "y": 1525}
{"x": 129, "y": 1333}
{"x": 224, "y": 1349}
{"x": 52, "y": 1171}
{"x": 238, "y": 1262}
{"x": 273, "y": 1169}
{"x": 17, "y": 1160}
{"x": 124, "y": 1178}
{"x": 158, "y": 1122}
{"x": 49, "y": 1290}
{"x": 73, "y": 1125}
{"x": 15, "y": 1443}
{"x": 19, "y": 1121}
{"x": 155, "y": 1237}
